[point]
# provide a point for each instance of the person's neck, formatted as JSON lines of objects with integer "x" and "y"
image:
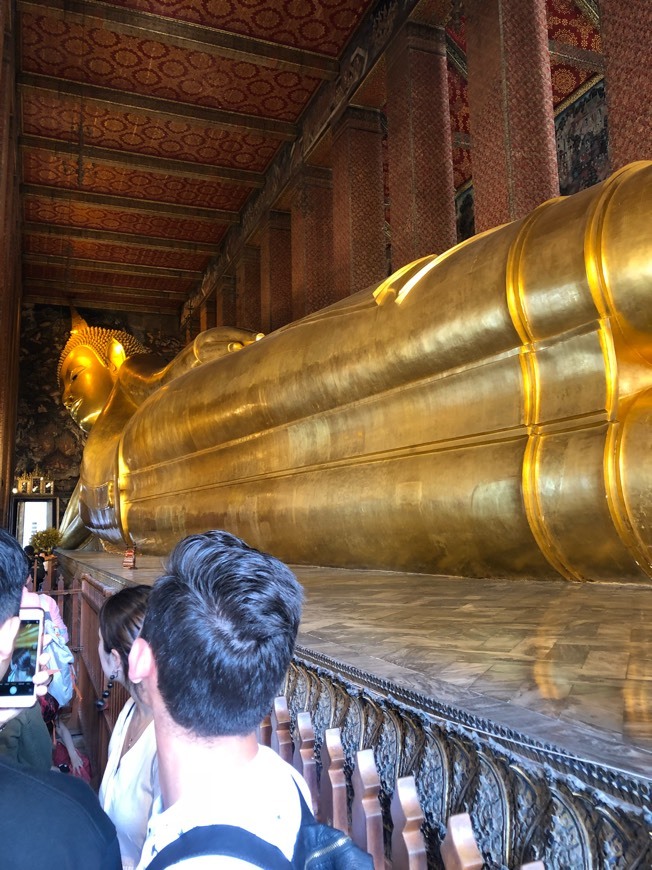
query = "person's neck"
{"x": 142, "y": 714}
{"x": 184, "y": 759}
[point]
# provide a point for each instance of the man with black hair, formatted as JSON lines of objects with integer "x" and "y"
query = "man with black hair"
{"x": 45, "y": 818}
{"x": 213, "y": 651}
{"x": 35, "y": 559}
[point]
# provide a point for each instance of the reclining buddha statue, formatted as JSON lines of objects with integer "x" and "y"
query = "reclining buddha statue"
{"x": 484, "y": 412}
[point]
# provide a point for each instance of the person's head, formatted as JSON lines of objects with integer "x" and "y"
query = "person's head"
{"x": 221, "y": 625}
{"x": 121, "y": 618}
{"x": 14, "y": 567}
{"x": 21, "y": 659}
{"x": 30, "y": 552}
{"x": 88, "y": 368}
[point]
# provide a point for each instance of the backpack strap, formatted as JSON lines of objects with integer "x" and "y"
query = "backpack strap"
{"x": 224, "y": 840}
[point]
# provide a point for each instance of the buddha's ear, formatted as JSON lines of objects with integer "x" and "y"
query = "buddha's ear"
{"x": 116, "y": 355}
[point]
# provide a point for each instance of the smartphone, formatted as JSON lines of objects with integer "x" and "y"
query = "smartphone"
{"x": 17, "y": 688}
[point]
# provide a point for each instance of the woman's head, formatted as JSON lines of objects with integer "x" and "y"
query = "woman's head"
{"x": 121, "y": 618}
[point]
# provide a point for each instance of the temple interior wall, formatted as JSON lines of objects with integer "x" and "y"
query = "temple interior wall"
{"x": 45, "y": 434}
{"x": 341, "y": 211}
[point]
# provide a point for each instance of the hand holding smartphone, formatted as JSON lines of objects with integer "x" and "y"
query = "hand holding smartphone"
{"x": 17, "y": 687}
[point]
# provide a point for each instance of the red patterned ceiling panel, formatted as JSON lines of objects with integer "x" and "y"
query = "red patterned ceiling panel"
{"x": 40, "y": 209}
{"x": 81, "y": 249}
{"x": 57, "y": 117}
{"x": 55, "y": 46}
{"x": 567, "y": 79}
{"x": 62, "y": 170}
{"x": 63, "y": 275}
{"x": 323, "y": 27}
{"x": 566, "y": 24}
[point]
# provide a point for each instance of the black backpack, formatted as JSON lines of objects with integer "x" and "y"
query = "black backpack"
{"x": 318, "y": 847}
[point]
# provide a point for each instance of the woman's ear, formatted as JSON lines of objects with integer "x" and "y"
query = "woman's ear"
{"x": 116, "y": 662}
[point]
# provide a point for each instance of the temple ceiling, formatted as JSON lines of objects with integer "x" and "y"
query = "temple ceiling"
{"x": 154, "y": 133}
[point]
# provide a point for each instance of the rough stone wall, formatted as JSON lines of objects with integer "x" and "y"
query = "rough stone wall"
{"x": 46, "y": 435}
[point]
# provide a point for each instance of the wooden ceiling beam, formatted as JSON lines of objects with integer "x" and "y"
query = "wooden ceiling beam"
{"x": 118, "y": 303}
{"x": 189, "y": 36}
{"x": 161, "y": 165}
{"x": 591, "y": 9}
{"x": 575, "y": 56}
{"x": 47, "y": 284}
{"x": 456, "y": 56}
{"x": 274, "y": 129}
{"x": 110, "y": 266}
{"x": 377, "y": 28}
{"x": 144, "y": 206}
{"x": 126, "y": 239}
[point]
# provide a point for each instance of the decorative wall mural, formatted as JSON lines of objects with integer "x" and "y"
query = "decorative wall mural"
{"x": 465, "y": 212}
{"x": 582, "y": 141}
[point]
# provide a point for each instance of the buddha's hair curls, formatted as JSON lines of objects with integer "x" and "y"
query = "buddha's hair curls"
{"x": 99, "y": 339}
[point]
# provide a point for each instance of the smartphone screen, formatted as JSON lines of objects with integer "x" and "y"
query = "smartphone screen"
{"x": 17, "y": 688}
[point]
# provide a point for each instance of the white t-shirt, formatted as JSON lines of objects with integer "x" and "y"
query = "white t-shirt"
{"x": 129, "y": 786}
{"x": 263, "y": 799}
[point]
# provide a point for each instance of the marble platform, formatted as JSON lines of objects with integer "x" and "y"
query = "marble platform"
{"x": 563, "y": 663}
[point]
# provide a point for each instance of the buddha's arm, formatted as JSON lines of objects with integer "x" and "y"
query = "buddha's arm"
{"x": 73, "y": 531}
{"x": 142, "y": 375}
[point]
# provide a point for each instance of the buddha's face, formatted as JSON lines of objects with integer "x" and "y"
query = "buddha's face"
{"x": 86, "y": 385}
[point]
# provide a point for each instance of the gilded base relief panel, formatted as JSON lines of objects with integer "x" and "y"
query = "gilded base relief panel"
{"x": 527, "y": 800}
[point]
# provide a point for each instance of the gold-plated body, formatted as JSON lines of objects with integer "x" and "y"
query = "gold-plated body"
{"x": 484, "y": 413}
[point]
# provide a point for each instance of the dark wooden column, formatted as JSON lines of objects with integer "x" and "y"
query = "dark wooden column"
{"x": 421, "y": 188}
{"x": 275, "y": 271}
{"x": 207, "y": 314}
{"x": 9, "y": 262}
{"x": 359, "y": 257}
{"x": 514, "y": 155}
{"x": 312, "y": 242}
{"x": 225, "y": 313}
{"x": 626, "y": 26}
{"x": 247, "y": 288}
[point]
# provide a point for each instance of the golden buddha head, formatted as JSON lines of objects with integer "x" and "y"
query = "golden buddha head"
{"x": 89, "y": 366}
